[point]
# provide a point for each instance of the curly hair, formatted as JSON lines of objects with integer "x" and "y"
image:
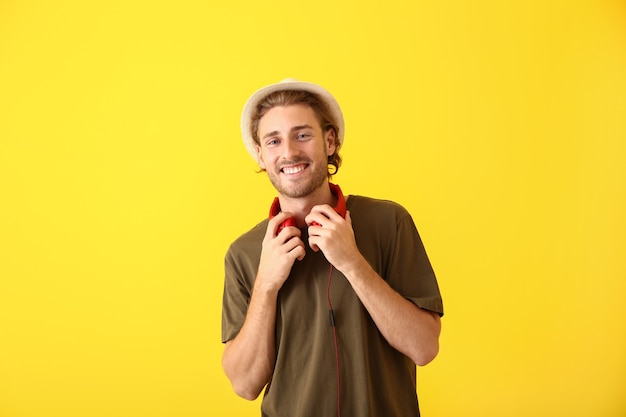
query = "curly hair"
{"x": 291, "y": 97}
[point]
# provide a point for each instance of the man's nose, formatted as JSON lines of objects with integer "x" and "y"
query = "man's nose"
{"x": 290, "y": 149}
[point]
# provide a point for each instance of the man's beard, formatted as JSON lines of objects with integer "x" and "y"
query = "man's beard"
{"x": 302, "y": 187}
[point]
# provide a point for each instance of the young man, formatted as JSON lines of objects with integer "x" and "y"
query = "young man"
{"x": 331, "y": 302}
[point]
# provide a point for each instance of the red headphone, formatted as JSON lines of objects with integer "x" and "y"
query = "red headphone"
{"x": 340, "y": 208}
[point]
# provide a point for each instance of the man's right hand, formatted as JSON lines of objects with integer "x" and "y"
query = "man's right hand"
{"x": 249, "y": 357}
{"x": 278, "y": 253}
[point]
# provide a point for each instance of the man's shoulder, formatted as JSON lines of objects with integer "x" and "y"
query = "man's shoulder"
{"x": 250, "y": 239}
{"x": 370, "y": 206}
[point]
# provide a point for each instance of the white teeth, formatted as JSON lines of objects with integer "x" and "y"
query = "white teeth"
{"x": 293, "y": 170}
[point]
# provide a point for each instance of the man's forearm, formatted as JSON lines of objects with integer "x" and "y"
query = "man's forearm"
{"x": 408, "y": 328}
{"x": 248, "y": 359}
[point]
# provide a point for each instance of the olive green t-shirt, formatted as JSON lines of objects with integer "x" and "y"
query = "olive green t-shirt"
{"x": 376, "y": 379}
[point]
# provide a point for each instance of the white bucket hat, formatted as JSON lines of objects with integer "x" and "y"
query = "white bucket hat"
{"x": 285, "y": 85}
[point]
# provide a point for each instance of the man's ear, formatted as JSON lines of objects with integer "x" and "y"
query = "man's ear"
{"x": 330, "y": 136}
{"x": 259, "y": 157}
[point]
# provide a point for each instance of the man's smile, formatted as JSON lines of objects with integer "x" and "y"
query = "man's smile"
{"x": 293, "y": 169}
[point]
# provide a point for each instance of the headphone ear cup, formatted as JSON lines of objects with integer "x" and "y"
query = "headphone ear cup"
{"x": 340, "y": 208}
{"x": 289, "y": 222}
{"x": 274, "y": 210}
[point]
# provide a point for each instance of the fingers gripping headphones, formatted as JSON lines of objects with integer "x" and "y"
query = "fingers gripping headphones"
{"x": 340, "y": 208}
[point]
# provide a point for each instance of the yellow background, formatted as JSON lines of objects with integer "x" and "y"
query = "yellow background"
{"x": 501, "y": 126}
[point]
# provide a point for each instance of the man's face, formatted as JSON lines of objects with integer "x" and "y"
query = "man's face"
{"x": 294, "y": 151}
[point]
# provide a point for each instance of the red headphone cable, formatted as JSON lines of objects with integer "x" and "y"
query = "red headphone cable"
{"x": 332, "y": 323}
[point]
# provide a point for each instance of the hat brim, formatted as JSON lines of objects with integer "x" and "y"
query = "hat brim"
{"x": 287, "y": 85}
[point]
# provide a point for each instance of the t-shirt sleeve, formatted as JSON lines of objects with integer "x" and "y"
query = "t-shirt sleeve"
{"x": 236, "y": 297}
{"x": 411, "y": 273}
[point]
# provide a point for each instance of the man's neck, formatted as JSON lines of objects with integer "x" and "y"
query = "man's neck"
{"x": 301, "y": 206}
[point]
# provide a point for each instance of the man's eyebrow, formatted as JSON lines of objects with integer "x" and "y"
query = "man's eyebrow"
{"x": 269, "y": 134}
{"x": 304, "y": 126}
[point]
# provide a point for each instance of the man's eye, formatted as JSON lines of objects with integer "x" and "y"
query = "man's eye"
{"x": 272, "y": 142}
{"x": 303, "y": 136}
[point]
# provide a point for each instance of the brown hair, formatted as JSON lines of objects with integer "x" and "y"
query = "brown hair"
{"x": 291, "y": 97}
